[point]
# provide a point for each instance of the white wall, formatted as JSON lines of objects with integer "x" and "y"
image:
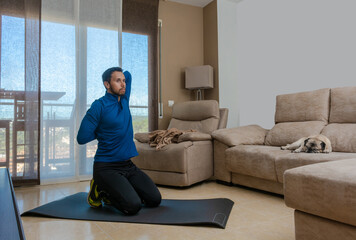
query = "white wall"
{"x": 227, "y": 53}
{"x": 286, "y": 46}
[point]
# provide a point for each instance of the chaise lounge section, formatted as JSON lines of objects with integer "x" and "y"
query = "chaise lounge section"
{"x": 324, "y": 198}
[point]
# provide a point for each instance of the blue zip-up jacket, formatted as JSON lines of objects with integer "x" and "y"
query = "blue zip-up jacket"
{"x": 109, "y": 121}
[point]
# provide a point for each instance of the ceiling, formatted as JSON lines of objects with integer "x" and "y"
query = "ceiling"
{"x": 197, "y": 3}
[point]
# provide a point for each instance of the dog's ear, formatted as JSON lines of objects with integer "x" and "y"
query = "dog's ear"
{"x": 305, "y": 141}
{"x": 323, "y": 145}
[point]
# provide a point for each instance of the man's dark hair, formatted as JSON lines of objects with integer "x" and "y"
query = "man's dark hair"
{"x": 107, "y": 74}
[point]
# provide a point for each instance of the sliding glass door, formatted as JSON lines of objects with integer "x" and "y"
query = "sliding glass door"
{"x": 75, "y": 52}
{"x": 58, "y": 89}
{"x": 80, "y": 39}
{"x": 135, "y": 60}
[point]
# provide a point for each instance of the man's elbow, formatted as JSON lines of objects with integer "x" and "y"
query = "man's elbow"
{"x": 81, "y": 140}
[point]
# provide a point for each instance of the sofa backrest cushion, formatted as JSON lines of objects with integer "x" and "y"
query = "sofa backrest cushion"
{"x": 342, "y": 136}
{"x": 342, "y": 121}
{"x": 288, "y": 132}
{"x": 303, "y": 106}
{"x": 202, "y": 116}
{"x": 343, "y": 105}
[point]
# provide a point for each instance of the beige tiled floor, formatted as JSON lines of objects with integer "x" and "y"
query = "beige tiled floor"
{"x": 255, "y": 215}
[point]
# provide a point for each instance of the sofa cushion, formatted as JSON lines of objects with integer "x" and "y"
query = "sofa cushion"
{"x": 202, "y": 116}
{"x": 293, "y": 160}
{"x": 343, "y": 105}
{"x": 325, "y": 189}
{"x": 246, "y": 135}
{"x": 285, "y": 133}
{"x": 303, "y": 106}
{"x": 342, "y": 136}
{"x": 196, "y": 110}
{"x": 174, "y": 157}
{"x": 204, "y": 126}
{"x": 142, "y": 137}
{"x": 252, "y": 160}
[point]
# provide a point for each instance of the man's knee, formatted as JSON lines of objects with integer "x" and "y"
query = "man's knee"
{"x": 131, "y": 208}
{"x": 153, "y": 201}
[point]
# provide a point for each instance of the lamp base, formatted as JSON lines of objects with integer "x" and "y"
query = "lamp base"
{"x": 199, "y": 94}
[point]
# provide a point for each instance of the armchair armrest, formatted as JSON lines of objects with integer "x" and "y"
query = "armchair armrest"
{"x": 194, "y": 136}
{"x": 142, "y": 137}
{"x": 246, "y": 135}
{"x": 189, "y": 136}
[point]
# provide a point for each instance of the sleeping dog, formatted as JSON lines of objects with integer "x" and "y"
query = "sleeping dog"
{"x": 312, "y": 144}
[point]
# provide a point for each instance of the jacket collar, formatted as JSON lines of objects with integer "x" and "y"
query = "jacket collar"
{"x": 111, "y": 97}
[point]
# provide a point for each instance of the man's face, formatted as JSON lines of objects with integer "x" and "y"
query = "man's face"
{"x": 117, "y": 84}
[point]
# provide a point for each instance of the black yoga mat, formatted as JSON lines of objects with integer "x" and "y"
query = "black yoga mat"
{"x": 213, "y": 212}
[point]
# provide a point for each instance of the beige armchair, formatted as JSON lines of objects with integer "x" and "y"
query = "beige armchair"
{"x": 190, "y": 161}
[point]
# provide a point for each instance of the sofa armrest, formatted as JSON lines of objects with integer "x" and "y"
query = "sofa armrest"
{"x": 142, "y": 137}
{"x": 246, "y": 135}
{"x": 194, "y": 136}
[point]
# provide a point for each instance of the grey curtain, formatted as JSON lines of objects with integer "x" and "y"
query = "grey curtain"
{"x": 20, "y": 95}
{"x": 141, "y": 17}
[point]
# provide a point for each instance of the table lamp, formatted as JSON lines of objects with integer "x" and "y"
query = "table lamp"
{"x": 199, "y": 78}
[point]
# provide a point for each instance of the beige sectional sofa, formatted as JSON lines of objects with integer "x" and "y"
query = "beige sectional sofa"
{"x": 251, "y": 156}
{"x": 321, "y": 187}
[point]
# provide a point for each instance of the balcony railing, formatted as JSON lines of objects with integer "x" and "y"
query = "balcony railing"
{"x": 58, "y": 135}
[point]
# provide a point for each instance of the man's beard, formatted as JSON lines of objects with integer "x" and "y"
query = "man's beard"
{"x": 119, "y": 92}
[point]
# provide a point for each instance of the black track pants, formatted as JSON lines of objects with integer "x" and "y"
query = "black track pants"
{"x": 126, "y": 185}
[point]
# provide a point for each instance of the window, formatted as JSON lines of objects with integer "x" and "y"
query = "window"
{"x": 12, "y": 79}
{"x": 58, "y": 74}
{"x": 12, "y": 53}
{"x": 12, "y": 61}
{"x": 58, "y": 88}
{"x": 102, "y": 46}
{"x": 135, "y": 59}
{"x": 68, "y": 78}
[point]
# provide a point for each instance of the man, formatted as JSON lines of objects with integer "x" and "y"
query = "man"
{"x": 116, "y": 180}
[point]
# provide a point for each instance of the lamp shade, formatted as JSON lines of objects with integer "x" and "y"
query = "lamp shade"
{"x": 200, "y": 77}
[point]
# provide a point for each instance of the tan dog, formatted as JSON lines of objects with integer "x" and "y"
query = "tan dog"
{"x": 311, "y": 144}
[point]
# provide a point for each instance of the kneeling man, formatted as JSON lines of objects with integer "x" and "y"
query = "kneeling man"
{"x": 116, "y": 179}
